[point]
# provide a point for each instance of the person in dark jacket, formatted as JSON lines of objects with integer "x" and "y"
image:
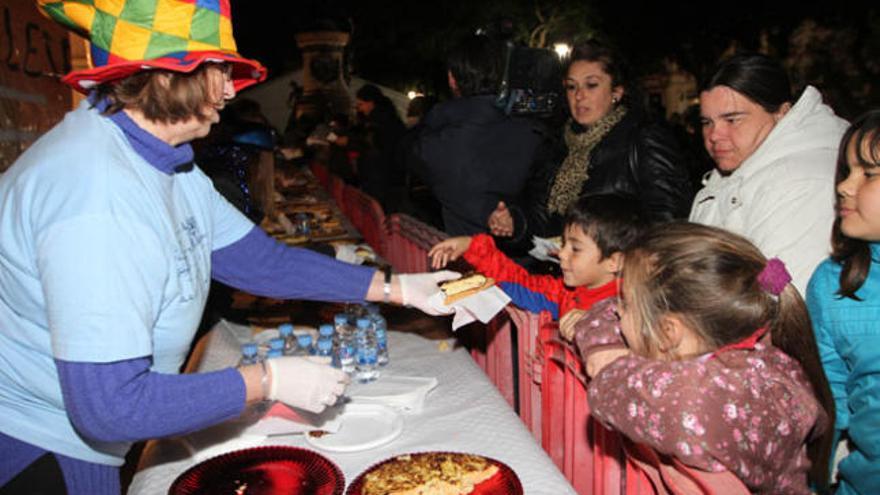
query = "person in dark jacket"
{"x": 469, "y": 152}
{"x": 229, "y": 154}
{"x": 381, "y": 129}
{"x": 610, "y": 148}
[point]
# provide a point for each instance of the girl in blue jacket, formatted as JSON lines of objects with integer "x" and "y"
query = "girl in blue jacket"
{"x": 844, "y": 303}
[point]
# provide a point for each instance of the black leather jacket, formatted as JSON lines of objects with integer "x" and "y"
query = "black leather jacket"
{"x": 636, "y": 158}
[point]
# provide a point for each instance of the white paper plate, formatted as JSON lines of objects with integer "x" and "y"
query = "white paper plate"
{"x": 364, "y": 426}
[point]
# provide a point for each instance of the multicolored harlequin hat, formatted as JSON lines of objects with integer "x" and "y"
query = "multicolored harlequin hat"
{"x": 128, "y": 36}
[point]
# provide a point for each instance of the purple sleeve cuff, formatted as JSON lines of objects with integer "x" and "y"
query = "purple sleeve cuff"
{"x": 124, "y": 401}
{"x": 258, "y": 264}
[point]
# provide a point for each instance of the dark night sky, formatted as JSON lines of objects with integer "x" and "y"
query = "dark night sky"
{"x": 389, "y": 42}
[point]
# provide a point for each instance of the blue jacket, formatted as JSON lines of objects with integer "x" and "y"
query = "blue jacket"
{"x": 848, "y": 334}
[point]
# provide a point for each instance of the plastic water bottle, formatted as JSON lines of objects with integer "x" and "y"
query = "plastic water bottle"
{"x": 249, "y": 354}
{"x": 366, "y": 369}
{"x": 363, "y": 330}
{"x": 324, "y": 347}
{"x": 325, "y": 331}
{"x": 343, "y": 344}
{"x": 285, "y": 330}
{"x": 305, "y": 345}
{"x": 303, "y": 223}
{"x": 380, "y": 329}
{"x": 381, "y": 346}
{"x": 276, "y": 344}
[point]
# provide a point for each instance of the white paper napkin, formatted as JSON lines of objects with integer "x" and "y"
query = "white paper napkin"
{"x": 545, "y": 249}
{"x": 404, "y": 393}
{"x": 346, "y": 253}
{"x": 279, "y": 419}
{"x": 483, "y": 306}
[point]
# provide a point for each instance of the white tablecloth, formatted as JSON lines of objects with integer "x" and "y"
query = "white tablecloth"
{"x": 464, "y": 413}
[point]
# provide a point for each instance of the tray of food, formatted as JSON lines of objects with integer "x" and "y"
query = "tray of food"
{"x": 437, "y": 472}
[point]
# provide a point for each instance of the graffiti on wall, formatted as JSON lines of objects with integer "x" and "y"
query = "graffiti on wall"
{"x": 34, "y": 53}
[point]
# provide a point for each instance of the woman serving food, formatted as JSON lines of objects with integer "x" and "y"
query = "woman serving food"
{"x": 110, "y": 237}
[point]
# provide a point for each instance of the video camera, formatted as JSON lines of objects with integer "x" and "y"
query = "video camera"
{"x": 531, "y": 82}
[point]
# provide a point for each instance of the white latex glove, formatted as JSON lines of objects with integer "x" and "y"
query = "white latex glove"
{"x": 416, "y": 288}
{"x": 306, "y": 384}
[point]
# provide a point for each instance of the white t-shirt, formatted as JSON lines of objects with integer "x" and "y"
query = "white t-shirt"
{"x": 103, "y": 258}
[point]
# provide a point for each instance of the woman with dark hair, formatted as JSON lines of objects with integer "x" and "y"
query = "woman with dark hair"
{"x": 774, "y": 162}
{"x": 843, "y": 297}
{"x": 611, "y": 148}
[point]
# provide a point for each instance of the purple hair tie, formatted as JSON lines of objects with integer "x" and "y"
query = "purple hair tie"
{"x": 774, "y": 277}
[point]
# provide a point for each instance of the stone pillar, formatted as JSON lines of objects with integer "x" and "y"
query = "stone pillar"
{"x": 324, "y": 86}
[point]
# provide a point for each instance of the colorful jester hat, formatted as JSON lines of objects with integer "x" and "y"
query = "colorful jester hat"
{"x": 128, "y": 36}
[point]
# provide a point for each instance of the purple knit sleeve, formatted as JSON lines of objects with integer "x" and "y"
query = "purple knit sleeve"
{"x": 124, "y": 401}
{"x": 258, "y": 264}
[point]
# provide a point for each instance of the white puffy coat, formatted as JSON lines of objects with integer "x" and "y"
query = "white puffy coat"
{"x": 782, "y": 196}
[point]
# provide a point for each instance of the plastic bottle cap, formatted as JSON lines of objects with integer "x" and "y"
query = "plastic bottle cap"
{"x": 325, "y": 345}
{"x": 326, "y": 329}
{"x": 276, "y": 344}
{"x": 304, "y": 340}
{"x": 249, "y": 349}
{"x": 285, "y": 329}
{"x": 340, "y": 319}
{"x": 363, "y": 323}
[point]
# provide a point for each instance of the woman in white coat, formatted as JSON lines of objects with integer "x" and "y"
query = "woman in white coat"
{"x": 774, "y": 175}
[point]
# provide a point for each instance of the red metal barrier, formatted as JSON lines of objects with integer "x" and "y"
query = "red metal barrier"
{"x": 367, "y": 216}
{"x": 589, "y": 455}
{"x": 321, "y": 173}
{"x": 530, "y": 358}
{"x": 408, "y": 243}
{"x": 350, "y": 204}
{"x": 337, "y": 190}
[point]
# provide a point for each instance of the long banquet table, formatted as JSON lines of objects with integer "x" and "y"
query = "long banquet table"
{"x": 464, "y": 413}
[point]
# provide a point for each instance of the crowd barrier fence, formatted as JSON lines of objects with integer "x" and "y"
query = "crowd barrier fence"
{"x": 321, "y": 172}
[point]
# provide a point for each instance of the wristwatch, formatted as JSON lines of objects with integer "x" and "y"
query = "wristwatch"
{"x": 386, "y": 287}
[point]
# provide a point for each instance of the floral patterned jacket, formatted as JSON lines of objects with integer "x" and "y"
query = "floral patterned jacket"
{"x": 749, "y": 411}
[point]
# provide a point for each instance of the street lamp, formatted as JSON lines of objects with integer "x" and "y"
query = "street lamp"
{"x": 562, "y": 49}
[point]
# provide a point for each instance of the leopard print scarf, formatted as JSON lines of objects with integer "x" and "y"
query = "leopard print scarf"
{"x": 574, "y": 170}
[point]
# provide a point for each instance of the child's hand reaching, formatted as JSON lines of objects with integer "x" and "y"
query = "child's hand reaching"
{"x": 449, "y": 250}
{"x": 568, "y": 321}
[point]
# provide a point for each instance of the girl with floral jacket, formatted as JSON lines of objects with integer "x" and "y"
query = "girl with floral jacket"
{"x": 727, "y": 388}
